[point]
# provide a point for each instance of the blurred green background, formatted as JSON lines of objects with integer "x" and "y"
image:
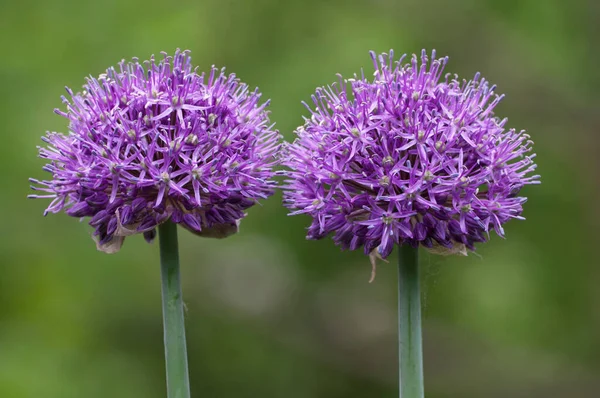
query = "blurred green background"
{"x": 270, "y": 314}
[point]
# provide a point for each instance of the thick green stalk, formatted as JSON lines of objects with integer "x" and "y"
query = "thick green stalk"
{"x": 409, "y": 324}
{"x": 178, "y": 385}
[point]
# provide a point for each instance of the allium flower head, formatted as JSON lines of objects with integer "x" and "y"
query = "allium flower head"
{"x": 409, "y": 157}
{"x": 155, "y": 141}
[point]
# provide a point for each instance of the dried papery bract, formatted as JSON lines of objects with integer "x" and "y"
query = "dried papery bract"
{"x": 155, "y": 141}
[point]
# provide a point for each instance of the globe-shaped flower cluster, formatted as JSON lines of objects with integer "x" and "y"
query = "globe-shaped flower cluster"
{"x": 156, "y": 141}
{"x": 409, "y": 157}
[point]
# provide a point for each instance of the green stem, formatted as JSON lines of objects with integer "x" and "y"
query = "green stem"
{"x": 178, "y": 385}
{"x": 409, "y": 324}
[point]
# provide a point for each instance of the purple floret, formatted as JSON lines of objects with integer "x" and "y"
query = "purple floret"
{"x": 410, "y": 157}
{"x": 155, "y": 141}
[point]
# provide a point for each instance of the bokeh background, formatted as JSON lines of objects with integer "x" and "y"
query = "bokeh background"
{"x": 270, "y": 314}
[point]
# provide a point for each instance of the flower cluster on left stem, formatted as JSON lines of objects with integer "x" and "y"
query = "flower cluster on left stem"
{"x": 155, "y": 141}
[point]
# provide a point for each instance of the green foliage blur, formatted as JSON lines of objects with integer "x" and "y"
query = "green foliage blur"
{"x": 270, "y": 314}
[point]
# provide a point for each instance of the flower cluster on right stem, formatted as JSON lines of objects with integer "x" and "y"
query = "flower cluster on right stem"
{"x": 408, "y": 157}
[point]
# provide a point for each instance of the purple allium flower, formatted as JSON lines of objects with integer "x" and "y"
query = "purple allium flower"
{"x": 154, "y": 141}
{"x": 410, "y": 157}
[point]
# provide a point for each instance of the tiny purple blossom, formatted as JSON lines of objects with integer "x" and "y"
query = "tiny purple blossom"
{"x": 155, "y": 141}
{"x": 410, "y": 157}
